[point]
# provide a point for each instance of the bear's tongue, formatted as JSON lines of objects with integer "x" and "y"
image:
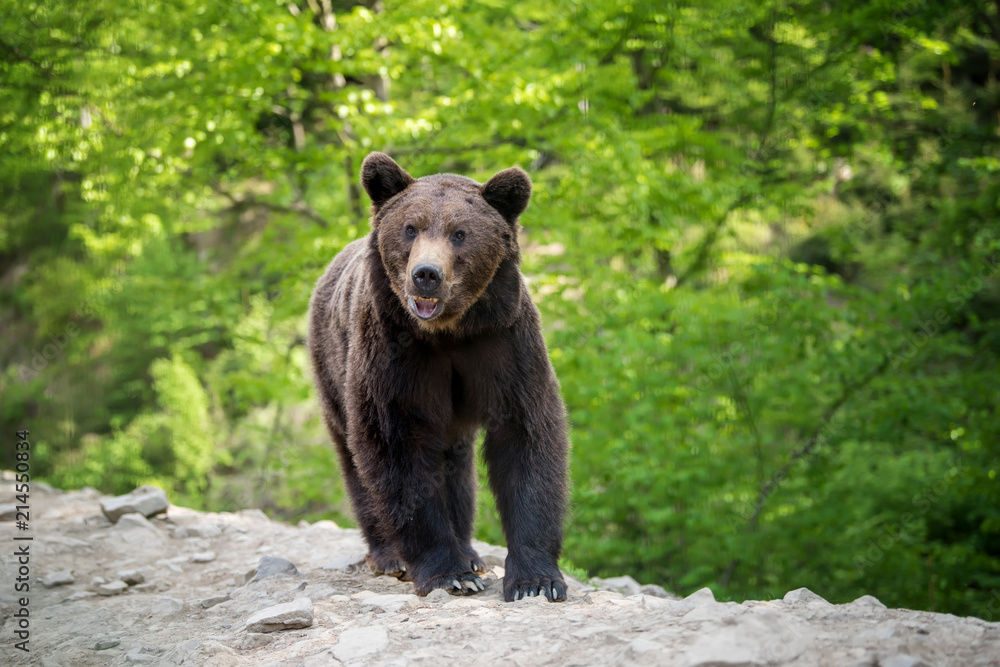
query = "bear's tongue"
{"x": 425, "y": 307}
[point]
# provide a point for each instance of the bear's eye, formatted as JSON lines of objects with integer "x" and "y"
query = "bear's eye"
{"x": 411, "y": 231}
{"x": 458, "y": 236}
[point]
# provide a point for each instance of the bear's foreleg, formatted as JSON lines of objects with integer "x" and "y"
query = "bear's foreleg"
{"x": 460, "y": 489}
{"x": 527, "y": 471}
{"x": 409, "y": 482}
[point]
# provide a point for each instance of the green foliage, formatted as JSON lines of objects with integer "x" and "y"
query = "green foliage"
{"x": 763, "y": 240}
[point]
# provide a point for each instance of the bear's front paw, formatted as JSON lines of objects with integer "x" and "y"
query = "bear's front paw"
{"x": 520, "y": 582}
{"x": 381, "y": 562}
{"x": 464, "y": 583}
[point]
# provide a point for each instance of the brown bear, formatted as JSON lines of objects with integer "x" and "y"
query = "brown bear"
{"x": 420, "y": 334}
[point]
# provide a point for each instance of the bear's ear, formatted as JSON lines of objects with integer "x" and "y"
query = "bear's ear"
{"x": 382, "y": 178}
{"x": 508, "y": 192}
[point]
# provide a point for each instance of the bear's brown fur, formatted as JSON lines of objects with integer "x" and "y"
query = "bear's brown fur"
{"x": 422, "y": 333}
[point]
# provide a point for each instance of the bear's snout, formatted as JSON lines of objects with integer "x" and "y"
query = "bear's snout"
{"x": 427, "y": 278}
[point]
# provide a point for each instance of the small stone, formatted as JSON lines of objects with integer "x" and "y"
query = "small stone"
{"x": 112, "y": 588}
{"x": 804, "y": 595}
{"x": 270, "y": 566}
{"x": 98, "y": 580}
{"x": 203, "y": 557}
{"x": 131, "y": 577}
{"x": 296, "y": 614}
{"x": 208, "y": 603}
{"x": 602, "y": 597}
{"x": 105, "y": 644}
{"x": 867, "y": 601}
{"x": 146, "y": 500}
{"x": 701, "y": 596}
{"x": 656, "y": 591}
{"x": 63, "y": 578}
{"x": 166, "y": 606}
{"x": 625, "y": 585}
{"x": 254, "y": 514}
{"x": 357, "y": 643}
{"x": 390, "y": 603}
{"x": 203, "y": 530}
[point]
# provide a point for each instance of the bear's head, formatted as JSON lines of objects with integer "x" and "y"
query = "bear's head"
{"x": 442, "y": 237}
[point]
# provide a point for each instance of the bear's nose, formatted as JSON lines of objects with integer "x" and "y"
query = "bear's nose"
{"x": 427, "y": 277}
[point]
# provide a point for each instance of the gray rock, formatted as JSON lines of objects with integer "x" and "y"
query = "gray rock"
{"x": 8, "y": 512}
{"x": 390, "y": 603}
{"x": 657, "y": 591}
{"x": 205, "y": 530}
{"x": 270, "y": 566}
{"x": 63, "y": 578}
{"x": 105, "y": 644}
{"x": 203, "y": 557}
{"x": 804, "y": 595}
{"x": 146, "y": 500}
{"x": 208, "y": 603}
{"x": 112, "y": 588}
{"x": 296, "y": 614}
{"x": 869, "y": 602}
{"x": 701, "y": 596}
{"x": 131, "y": 577}
{"x": 361, "y": 642}
{"x": 625, "y": 585}
{"x": 438, "y": 595}
{"x": 166, "y": 606}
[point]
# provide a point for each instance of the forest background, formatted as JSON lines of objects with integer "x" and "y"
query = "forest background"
{"x": 764, "y": 240}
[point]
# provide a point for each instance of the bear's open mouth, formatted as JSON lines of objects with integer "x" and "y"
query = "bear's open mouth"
{"x": 425, "y": 309}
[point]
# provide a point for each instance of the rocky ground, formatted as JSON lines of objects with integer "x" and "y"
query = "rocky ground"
{"x": 194, "y": 588}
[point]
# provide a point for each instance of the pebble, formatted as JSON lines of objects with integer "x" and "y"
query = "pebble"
{"x": 203, "y": 557}
{"x": 625, "y": 585}
{"x": 270, "y": 566}
{"x": 296, "y": 614}
{"x": 112, "y": 588}
{"x": 208, "y": 603}
{"x": 63, "y": 578}
{"x": 105, "y": 644}
{"x": 146, "y": 500}
{"x": 131, "y": 577}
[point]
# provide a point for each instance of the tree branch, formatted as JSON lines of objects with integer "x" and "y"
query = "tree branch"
{"x": 805, "y": 450}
